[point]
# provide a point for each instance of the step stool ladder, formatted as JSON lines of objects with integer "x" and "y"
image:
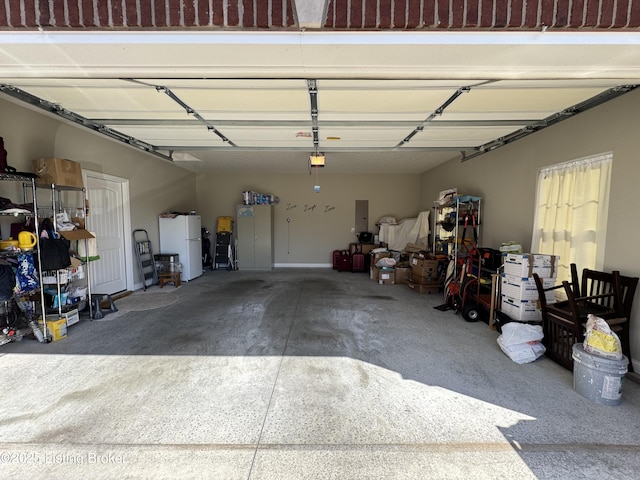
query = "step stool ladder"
{"x": 96, "y": 303}
{"x": 146, "y": 261}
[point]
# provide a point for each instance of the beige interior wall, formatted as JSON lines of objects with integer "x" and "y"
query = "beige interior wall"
{"x": 155, "y": 185}
{"x": 313, "y": 233}
{"x": 26, "y": 135}
{"x": 506, "y": 179}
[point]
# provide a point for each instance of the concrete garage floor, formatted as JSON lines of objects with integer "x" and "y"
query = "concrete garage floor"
{"x": 299, "y": 374}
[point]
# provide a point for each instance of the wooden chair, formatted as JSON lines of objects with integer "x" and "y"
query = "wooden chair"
{"x": 560, "y": 330}
{"x": 595, "y": 283}
{"x": 606, "y": 295}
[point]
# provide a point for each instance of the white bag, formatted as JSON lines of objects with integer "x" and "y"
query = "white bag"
{"x": 386, "y": 262}
{"x": 89, "y": 249}
{"x": 601, "y": 340}
{"x": 521, "y": 342}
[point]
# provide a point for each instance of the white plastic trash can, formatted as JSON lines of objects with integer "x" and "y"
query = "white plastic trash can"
{"x": 597, "y": 378}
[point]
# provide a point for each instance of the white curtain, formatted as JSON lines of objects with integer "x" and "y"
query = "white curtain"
{"x": 571, "y": 212}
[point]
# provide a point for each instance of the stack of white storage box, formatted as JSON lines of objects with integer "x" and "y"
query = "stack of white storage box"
{"x": 519, "y": 292}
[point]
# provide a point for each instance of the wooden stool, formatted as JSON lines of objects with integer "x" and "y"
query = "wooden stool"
{"x": 169, "y": 277}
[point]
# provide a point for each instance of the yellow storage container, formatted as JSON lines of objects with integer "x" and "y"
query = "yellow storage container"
{"x": 57, "y": 329}
{"x": 225, "y": 224}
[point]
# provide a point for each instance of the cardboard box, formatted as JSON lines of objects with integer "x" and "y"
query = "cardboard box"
{"x": 402, "y": 275}
{"x": 424, "y": 288}
{"x": 77, "y": 234}
{"x": 366, "y": 248}
{"x": 78, "y": 221}
{"x": 525, "y": 288}
{"x": 387, "y": 276}
{"x": 414, "y": 248}
{"x": 520, "y": 309}
{"x": 71, "y": 317}
{"x": 57, "y": 329}
{"x": 424, "y": 267}
{"x": 59, "y": 171}
{"x": 526, "y": 264}
{"x": 374, "y": 273}
{"x": 423, "y": 280}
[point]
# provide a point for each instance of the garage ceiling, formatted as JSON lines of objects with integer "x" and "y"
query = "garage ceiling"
{"x": 263, "y": 101}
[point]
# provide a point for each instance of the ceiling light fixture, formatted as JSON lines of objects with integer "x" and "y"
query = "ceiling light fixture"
{"x": 316, "y": 160}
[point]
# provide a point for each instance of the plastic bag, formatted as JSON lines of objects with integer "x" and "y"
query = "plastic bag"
{"x": 88, "y": 249}
{"x": 26, "y": 274}
{"x": 386, "y": 262}
{"x": 521, "y": 342}
{"x": 601, "y": 340}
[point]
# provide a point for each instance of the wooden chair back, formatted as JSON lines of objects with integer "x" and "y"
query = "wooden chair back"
{"x": 608, "y": 295}
{"x": 598, "y": 283}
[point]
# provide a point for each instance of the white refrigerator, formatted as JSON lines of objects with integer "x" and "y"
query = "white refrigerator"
{"x": 182, "y": 234}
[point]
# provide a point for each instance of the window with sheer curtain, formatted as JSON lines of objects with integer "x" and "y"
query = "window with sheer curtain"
{"x": 571, "y": 212}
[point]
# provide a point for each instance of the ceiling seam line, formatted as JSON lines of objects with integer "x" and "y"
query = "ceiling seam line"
{"x": 323, "y": 123}
{"x": 305, "y": 149}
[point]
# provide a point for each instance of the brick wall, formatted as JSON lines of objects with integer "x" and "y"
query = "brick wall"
{"x": 340, "y": 14}
{"x": 141, "y": 14}
{"x": 483, "y": 14}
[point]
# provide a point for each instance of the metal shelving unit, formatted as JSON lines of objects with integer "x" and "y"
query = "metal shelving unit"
{"x": 455, "y": 223}
{"x": 28, "y": 182}
{"x": 58, "y": 205}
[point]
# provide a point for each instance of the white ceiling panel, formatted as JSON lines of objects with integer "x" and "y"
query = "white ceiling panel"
{"x": 374, "y": 90}
{"x": 268, "y": 137}
{"x": 597, "y": 83}
{"x": 401, "y": 101}
{"x": 171, "y": 135}
{"x": 350, "y": 138}
{"x": 467, "y": 137}
{"x": 228, "y": 83}
{"x": 245, "y": 100}
{"x": 537, "y": 102}
{"x": 115, "y": 101}
{"x": 478, "y": 116}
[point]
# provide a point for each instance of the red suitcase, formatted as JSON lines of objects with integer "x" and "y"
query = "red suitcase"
{"x": 344, "y": 262}
{"x": 357, "y": 262}
{"x": 336, "y": 259}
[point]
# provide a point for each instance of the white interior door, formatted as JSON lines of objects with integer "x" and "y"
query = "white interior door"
{"x": 109, "y": 220}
